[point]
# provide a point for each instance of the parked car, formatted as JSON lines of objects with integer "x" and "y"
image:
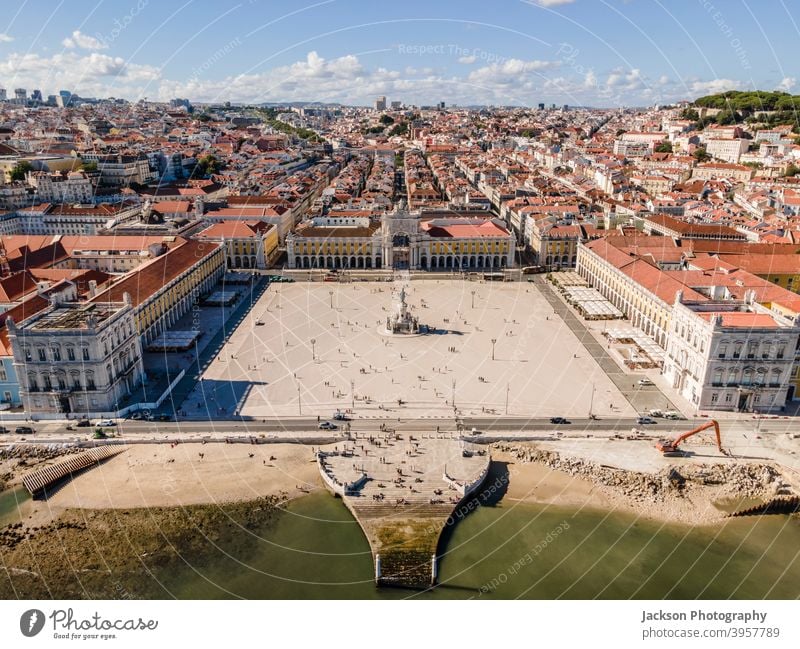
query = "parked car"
{"x": 105, "y": 422}
{"x": 646, "y": 420}
{"x": 24, "y": 430}
{"x": 340, "y": 416}
{"x": 671, "y": 414}
{"x": 4, "y": 430}
{"x": 558, "y": 420}
{"x": 645, "y": 382}
{"x": 327, "y": 425}
{"x": 164, "y": 417}
{"x": 83, "y": 423}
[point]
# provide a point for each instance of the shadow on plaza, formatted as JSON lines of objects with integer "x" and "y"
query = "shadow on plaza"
{"x": 216, "y": 399}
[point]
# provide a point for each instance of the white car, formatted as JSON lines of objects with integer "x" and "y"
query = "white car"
{"x": 645, "y": 382}
{"x": 105, "y": 422}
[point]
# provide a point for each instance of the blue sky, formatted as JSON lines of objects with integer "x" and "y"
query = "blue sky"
{"x": 579, "y": 52}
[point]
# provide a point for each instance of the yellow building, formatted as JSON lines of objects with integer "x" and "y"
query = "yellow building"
{"x": 248, "y": 244}
{"x": 166, "y": 288}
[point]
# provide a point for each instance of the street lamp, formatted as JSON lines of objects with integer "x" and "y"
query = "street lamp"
{"x": 473, "y": 299}
{"x": 352, "y": 394}
{"x": 313, "y": 342}
{"x": 331, "y": 294}
{"x": 494, "y": 341}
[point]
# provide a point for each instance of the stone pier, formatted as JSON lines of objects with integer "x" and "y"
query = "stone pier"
{"x": 402, "y": 488}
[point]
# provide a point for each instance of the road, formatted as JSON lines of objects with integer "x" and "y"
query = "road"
{"x": 301, "y": 427}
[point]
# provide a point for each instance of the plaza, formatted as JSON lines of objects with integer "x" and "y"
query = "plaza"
{"x": 492, "y": 348}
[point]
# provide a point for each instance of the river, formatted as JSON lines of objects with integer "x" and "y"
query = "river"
{"x": 315, "y": 549}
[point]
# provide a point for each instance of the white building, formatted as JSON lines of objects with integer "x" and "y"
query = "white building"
{"x": 735, "y": 356}
{"x": 729, "y": 150}
{"x": 74, "y": 187}
{"x": 77, "y": 357}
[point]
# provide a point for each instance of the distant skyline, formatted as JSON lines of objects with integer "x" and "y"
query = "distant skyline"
{"x": 580, "y": 52}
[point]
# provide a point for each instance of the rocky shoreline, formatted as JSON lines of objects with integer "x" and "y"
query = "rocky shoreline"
{"x": 679, "y": 493}
{"x": 109, "y": 554}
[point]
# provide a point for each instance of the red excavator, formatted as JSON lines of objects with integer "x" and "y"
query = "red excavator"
{"x": 669, "y": 447}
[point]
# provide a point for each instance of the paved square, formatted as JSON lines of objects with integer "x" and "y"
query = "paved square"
{"x": 274, "y": 369}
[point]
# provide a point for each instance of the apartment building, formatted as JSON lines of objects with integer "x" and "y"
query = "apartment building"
{"x": 72, "y": 187}
{"x": 119, "y": 170}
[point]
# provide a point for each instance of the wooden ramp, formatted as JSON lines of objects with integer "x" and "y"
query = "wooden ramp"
{"x": 777, "y": 505}
{"x": 39, "y": 481}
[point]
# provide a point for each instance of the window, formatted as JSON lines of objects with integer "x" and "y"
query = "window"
{"x": 85, "y": 351}
{"x": 56, "y": 354}
{"x": 781, "y": 351}
{"x": 28, "y": 356}
{"x": 71, "y": 353}
{"x": 47, "y": 383}
{"x": 3, "y": 375}
{"x": 62, "y": 384}
{"x": 737, "y": 350}
{"x": 714, "y": 397}
{"x": 42, "y": 356}
{"x": 7, "y": 396}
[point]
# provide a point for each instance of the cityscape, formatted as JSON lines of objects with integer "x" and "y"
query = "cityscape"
{"x": 418, "y": 344}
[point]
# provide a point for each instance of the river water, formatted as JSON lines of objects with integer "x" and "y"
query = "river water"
{"x": 315, "y": 549}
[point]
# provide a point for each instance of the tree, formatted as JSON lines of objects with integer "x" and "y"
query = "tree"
{"x": 792, "y": 170}
{"x": 386, "y": 120}
{"x": 701, "y": 155}
{"x": 664, "y": 147}
{"x": 206, "y": 166}
{"x": 89, "y": 167}
{"x": 20, "y": 170}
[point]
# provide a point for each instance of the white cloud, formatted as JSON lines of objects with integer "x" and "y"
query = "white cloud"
{"x": 92, "y": 74}
{"x": 787, "y": 84}
{"x": 467, "y": 59}
{"x": 83, "y": 41}
{"x": 714, "y": 86}
{"x": 621, "y": 81}
{"x": 5, "y": 38}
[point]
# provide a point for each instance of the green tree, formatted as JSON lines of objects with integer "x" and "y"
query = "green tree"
{"x": 664, "y": 147}
{"x": 206, "y": 165}
{"x": 20, "y": 170}
{"x": 792, "y": 170}
{"x": 386, "y": 120}
{"x": 89, "y": 167}
{"x": 701, "y": 155}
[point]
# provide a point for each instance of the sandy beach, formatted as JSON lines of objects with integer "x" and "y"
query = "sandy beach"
{"x": 162, "y": 475}
{"x": 537, "y": 483}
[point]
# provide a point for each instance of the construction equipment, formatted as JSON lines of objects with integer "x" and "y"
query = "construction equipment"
{"x": 670, "y": 447}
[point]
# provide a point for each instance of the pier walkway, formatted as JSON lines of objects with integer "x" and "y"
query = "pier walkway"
{"x": 402, "y": 488}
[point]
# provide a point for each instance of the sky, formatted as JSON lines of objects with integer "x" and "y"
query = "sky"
{"x": 495, "y": 52}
